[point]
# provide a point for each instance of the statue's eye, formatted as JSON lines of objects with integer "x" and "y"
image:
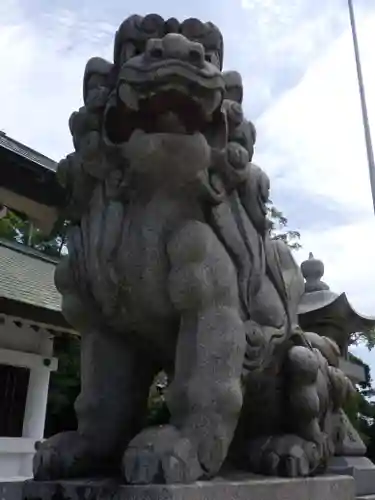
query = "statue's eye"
{"x": 131, "y": 49}
{"x": 213, "y": 58}
{"x": 139, "y": 47}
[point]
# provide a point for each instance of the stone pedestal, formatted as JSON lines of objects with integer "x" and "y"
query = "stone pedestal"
{"x": 360, "y": 468}
{"x": 253, "y": 488}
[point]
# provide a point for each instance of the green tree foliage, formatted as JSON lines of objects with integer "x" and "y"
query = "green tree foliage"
{"x": 10, "y": 226}
{"x": 158, "y": 411}
{"x": 278, "y": 228}
{"x": 14, "y": 227}
{"x": 64, "y": 386}
{"x": 361, "y": 408}
{"x": 367, "y": 338}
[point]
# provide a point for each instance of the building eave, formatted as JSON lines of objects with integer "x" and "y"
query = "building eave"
{"x": 29, "y": 183}
{"x": 37, "y": 315}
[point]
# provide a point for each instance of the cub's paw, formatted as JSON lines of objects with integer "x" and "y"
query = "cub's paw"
{"x": 287, "y": 455}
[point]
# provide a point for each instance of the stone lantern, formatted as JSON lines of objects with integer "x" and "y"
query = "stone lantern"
{"x": 328, "y": 313}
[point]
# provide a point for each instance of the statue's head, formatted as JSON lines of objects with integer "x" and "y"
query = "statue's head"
{"x": 167, "y": 78}
{"x": 164, "y": 103}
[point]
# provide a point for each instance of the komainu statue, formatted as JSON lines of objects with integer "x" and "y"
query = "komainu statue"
{"x": 171, "y": 267}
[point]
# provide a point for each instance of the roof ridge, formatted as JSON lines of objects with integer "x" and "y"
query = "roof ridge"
{"x": 32, "y": 150}
{"x": 26, "y": 250}
{"x": 20, "y": 148}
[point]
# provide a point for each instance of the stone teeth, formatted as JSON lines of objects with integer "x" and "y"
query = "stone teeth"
{"x": 174, "y": 87}
{"x": 211, "y": 102}
{"x": 129, "y": 96}
{"x": 214, "y": 101}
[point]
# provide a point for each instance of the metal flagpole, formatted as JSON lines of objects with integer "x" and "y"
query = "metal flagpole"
{"x": 366, "y": 125}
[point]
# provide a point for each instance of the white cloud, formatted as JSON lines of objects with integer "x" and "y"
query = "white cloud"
{"x": 318, "y": 126}
{"x": 348, "y": 255}
{"x": 43, "y": 55}
{"x": 41, "y": 80}
{"x": 313, "y": 138}
{"x": 292, "y": 30}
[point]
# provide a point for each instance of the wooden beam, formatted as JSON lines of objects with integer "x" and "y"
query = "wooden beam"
{"x": 40, "y": 315}
{"x": 27, "y": 360}
{"x": 43, "y": 216}
{"x": 17, "y": 445}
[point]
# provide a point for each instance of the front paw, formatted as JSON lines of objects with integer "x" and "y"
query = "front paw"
{"x": 161, "y": 455}
{"x": 66, "y": 455}
{"x": 287, "y": 456}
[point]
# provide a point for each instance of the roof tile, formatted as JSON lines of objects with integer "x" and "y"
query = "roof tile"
{"x": 27, "y": 277}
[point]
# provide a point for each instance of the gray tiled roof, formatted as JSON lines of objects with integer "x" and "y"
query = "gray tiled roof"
{"x": 27, "y": 276}
{"x": 28, "y": 153}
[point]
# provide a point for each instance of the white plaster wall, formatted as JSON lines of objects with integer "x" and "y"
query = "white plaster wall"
{"x": 16, "y": 455}
{"x": 26, "y": 346}
{"x": 25, "y": 339}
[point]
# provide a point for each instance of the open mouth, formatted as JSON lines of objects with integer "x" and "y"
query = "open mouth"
{"x": 168, "y": 103}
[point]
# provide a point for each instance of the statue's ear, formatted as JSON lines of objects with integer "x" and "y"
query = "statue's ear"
{"x": 233, "y": 86}
{"x": 97, "y": 73}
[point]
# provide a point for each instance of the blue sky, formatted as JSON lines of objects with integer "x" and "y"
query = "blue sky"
{"x": 297, "y": 63}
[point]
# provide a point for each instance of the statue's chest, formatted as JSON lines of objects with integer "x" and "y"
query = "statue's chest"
{"x": 126, "y": 258}
{"x": 141, "y": 260}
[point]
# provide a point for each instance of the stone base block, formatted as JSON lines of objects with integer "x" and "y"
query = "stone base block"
{"x": 360, "y": 468}
{"x": 254, "y": 488}
{"x": 12, "y": 490}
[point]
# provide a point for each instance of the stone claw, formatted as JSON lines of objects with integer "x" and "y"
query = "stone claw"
{"x": 287, "y": 455}
{"x": 161, "y": 455}
{"x": 65, "y": 455}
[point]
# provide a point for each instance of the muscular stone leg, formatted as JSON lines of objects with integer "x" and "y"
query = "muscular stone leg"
{"x": 115, "y": 383}
{"x": 205, "y": 397}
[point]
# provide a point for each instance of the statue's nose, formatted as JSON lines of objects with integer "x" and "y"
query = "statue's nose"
{"x": 175, "y": 46}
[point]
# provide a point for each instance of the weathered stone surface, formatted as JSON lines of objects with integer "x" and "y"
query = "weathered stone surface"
{"x": 320, "y": 488}
{"x": 171, "y": 267}
{"x": 360, "y": 468}
{"x": 352, "y": 444}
